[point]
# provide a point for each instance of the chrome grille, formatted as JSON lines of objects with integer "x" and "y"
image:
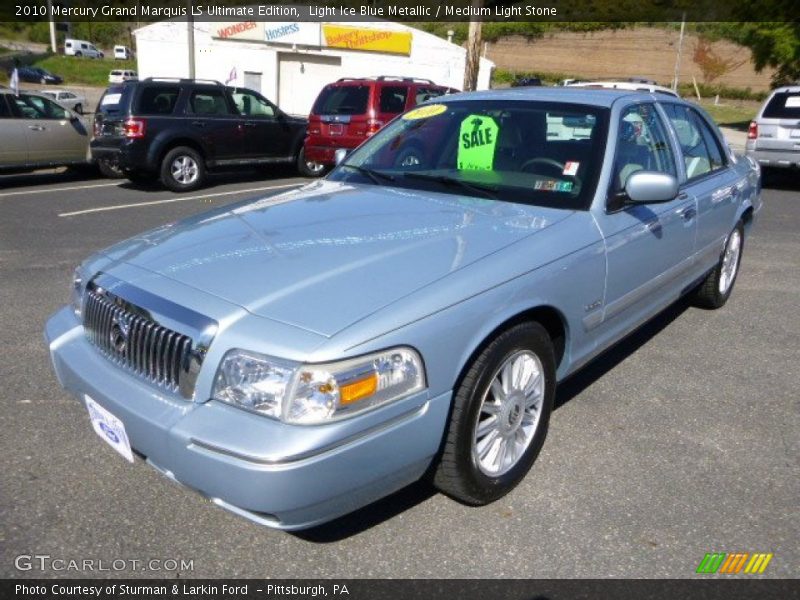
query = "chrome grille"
{"x": 152, "y": 351}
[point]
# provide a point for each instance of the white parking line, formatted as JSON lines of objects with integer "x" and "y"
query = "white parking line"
{"x": 63, "y": 189}
{"x": 170, "y": 200}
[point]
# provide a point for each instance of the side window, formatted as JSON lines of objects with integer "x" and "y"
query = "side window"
{"x": 35, "y": 107}
{"x": 699, "y": 156}
{"x": 424, "y": 94}
{"x": 251, "y": 105}
{"x": 158, "y": 100}
{"x": 393, "y": 99}
{"x": 208, "y": 102}
{"x": 642, "y": 145}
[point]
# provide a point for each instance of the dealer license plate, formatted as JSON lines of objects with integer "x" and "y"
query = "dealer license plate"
{"x": 109, "y": 428}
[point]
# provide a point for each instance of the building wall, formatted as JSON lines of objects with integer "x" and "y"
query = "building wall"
{"x": 162, "y": 52}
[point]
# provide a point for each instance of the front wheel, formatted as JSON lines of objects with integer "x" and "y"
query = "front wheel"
{"x": 183, "y": 169}
{"x": 499, "y": 418}
{"x": 309, "y": 168}
{"x": 718, "y": 285}
{"x": 79, "y": 109}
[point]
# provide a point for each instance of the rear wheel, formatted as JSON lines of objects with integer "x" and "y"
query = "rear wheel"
{"x": 718, "y": 285}
{"x": 309, "y": 168}
{"x": 499, "y": 419}
{"x": 79, "y": 109}
{"x": 110, "y": 169}
{"x": 183, "y": 169}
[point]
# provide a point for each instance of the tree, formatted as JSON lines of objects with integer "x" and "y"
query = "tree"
{"x": 711, "y": 64}
{"x": 775, "y": 45}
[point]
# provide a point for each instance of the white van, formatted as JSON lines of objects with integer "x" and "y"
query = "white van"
{"x": 120, "y": 76}
{"x": 122, "y": 53}
{"x": 81, "y": 48}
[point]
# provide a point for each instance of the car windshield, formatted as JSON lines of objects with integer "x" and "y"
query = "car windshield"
{"x": 541, "y": 153}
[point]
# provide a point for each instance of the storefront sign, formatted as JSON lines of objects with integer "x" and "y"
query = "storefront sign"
{"x": 362, "y": 38}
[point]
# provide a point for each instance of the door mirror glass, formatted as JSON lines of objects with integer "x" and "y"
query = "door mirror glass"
{"x": 643, "y": 187}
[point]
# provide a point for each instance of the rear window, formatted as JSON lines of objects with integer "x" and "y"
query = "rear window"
{"x": 114, "y": 100}
{"x": 342, "y": 100}
{"x": 157, "y": 100}
{"x": 116, "y": 72}
{"x": 783, "y": 105}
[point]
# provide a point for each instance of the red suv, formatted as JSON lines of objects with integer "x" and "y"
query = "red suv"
{"x": 350, "y": 110}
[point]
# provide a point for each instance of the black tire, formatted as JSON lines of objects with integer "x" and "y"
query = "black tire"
{"x": 110, "y": 169}
{"x": 457, "y": 473}
{"x": 309, "y": 169}
{"x": 79, "y": 109}
{"x": 710, "y": 294}
{"x": 195, "y": 175}
{"x": 79, "y": 54}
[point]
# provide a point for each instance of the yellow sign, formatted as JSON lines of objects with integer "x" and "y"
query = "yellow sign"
{"x": 424, "y": 112}
{"x": 373, "y": 40}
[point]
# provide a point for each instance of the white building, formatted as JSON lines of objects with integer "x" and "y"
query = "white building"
{"x": 290, "y": 62}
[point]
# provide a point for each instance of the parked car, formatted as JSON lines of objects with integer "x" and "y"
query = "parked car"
{"x": 37, "y": 132}
{"x": 526, "y": 82}
{"x": 774, "y": 136}
{"x": 122, "y": 75}
{"x": 122, "y": 53}
{"x": 297, "y": 356}
{"x": 80, "y": 48}
{"x": 350, "y": 110}
{"x": 626, "y": 85}
{"x": 176, "y": 130}
{"x": 37, "y": 75}
{"x": 66, "y": 98}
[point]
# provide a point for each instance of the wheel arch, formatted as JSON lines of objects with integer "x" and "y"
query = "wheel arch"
{"x": 159, "y": 150}
{"x": 548, "y": 316}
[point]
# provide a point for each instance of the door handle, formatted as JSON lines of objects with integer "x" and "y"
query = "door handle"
{"x": 36, "y": 127}
{"x": 687, "y": 213}
{"x": 198, "y": 123}
{"x": 249, "y": 124}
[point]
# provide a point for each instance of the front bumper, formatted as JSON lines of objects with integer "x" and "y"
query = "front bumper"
{"x": 240, "y": 460}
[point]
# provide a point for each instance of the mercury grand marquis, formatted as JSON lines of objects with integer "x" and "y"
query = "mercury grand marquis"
{"x": 296, "y": 357}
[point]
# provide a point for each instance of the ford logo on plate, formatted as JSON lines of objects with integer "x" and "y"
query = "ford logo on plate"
{"x": 110, "y": 433}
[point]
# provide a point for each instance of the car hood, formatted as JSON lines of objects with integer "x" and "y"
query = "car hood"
{"x": 329, "y": 254}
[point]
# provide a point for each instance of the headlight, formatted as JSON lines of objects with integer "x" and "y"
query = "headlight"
{"x": 77, "y": 287}
{"x": 309, "y": 394}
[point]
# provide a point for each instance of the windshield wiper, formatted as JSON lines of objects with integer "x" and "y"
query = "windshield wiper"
{"x": 376, "y": 176}
{"x": 485, "y": 190}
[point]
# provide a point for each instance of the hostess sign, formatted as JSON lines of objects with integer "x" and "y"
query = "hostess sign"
{"x": 305, "y": 34}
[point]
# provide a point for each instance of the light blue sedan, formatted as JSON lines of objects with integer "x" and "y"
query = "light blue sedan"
{"x": 296, "y": 357}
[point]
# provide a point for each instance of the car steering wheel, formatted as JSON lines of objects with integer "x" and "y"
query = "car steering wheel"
{"x": 548, "y": 162}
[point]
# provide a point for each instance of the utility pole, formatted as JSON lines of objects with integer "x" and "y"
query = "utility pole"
{"x": 190, "y": 35}
{"x": 53, "y": 46}
{"x": 473, "y": 48}
{"x": 678, "y": 59}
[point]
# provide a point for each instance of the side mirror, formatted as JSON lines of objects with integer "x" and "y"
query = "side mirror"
{"x": 644, "y": 187}
{"x": 340, "y": 155}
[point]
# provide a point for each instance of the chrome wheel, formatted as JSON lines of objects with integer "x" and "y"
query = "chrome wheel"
{"x": 314, "y": 167}
{"x": 730, "y": 261}
{"x": 184, "y": 170}
{"x": 509, "y": 414}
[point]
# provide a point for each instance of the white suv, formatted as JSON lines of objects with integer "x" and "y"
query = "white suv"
{"x": 774, "y": 136}
{"x": 121, "y": 76}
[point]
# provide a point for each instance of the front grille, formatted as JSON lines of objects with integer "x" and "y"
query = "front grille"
{"x": 152, "y": 351}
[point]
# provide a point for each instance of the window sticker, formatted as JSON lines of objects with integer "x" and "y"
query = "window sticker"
{"x": 424, "y": 112}
{"x": 571, "y": 168}
{"x": 111, "y": 99}
{"x": 477, "y": 139}
{"x": 792, "y": 101}
{"x": 551, "y": 185}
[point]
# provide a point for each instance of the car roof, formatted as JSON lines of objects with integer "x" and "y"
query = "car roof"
{"x": 577, "y": 95}
{"x": 635, "y": 86}
{"x": 787, "y": 88}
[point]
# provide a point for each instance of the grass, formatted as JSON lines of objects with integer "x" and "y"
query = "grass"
{"x": 736, "y": 115}
{"x": 76, "y": 71}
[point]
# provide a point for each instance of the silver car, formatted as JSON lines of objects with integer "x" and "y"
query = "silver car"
{"x": 774, "y": 136}
{"x": 67, "y": 98}
{"x": 37, "y": 132}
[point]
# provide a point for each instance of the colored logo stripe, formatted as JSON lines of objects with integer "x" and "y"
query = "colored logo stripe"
{"x": 733, "y": 563}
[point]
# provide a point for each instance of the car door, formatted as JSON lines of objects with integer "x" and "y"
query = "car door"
{"x": 709, "y": 179}
{"x": 649, "y": 246}
{"x": 268, "y": 135}
{"x": 14, "y": 133}
{"x": 53, "y": 136}
{"x": 214, "y": 121}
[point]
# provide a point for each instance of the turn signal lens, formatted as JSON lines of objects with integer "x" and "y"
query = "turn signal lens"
{"x": 752, "y": 132}
{"x": 353, "y": 392}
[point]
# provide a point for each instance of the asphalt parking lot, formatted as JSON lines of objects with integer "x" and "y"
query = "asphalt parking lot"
{"x": 683, "y": 440}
